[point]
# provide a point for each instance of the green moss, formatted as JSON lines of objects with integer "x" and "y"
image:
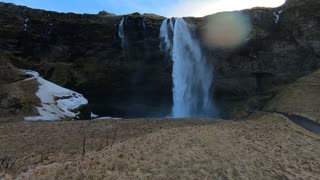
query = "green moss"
{"x": 154, "y": 16}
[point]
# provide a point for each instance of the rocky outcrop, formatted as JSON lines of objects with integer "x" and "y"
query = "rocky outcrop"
{"x": 35, "y": 99}
{"x": 16, "y": 98}
{"x": 84, "y": 53}
{"x": 22, "y": 96}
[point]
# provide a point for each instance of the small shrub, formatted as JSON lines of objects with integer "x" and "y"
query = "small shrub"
{"x": 6, "y": 163}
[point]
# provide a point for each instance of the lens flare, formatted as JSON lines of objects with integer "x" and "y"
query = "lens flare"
{"x": 226, "y": 30}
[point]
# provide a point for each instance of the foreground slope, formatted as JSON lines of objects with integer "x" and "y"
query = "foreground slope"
{"x": 267, "y": 147}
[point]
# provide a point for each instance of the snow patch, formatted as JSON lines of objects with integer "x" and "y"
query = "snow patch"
{"x": 97, "y": 117}
{"x": 32, "y": 74}
{"x": 94, "y": 116}
{"x": 57, "y": 102}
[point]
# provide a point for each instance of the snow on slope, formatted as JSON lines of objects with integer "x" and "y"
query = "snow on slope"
{"x": 57, "y": 102}
{"x": 94, "y": 116}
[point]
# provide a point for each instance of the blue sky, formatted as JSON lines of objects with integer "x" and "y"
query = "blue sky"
{"x": 166, "y": 8}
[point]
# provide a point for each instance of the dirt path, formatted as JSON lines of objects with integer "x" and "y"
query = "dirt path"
{"x": 304, "y": 122}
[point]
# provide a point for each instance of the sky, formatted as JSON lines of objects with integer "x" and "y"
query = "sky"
{"x": 167, "y": 8}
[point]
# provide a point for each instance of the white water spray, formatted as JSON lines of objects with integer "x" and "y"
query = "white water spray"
{"x": 166, "y": 36}
{"x": 121, "y": 33}
{"x": 277, "y": 15}
{"x": 192, "y": 75}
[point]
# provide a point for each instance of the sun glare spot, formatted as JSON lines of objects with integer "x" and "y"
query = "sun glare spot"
{"x": 198, "y": 8}
{"x": 226, "y": 30}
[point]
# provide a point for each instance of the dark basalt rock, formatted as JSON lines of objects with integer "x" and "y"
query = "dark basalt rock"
{"x": 84, "y": 53}
{"x": 275, "y": 54}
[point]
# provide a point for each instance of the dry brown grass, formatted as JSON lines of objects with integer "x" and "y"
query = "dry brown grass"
{"x": 300, "y": 98}
{"x": 43, "y": 143}
{"x": 5, "y": 176}
{"x": 268, "y": 148}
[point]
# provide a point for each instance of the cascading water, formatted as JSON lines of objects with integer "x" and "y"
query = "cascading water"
{"x": 121, "y": 33}
{"x": 166, "y": 36}
{"x": 192, "y": 75}
{"x": 144, "y": 26}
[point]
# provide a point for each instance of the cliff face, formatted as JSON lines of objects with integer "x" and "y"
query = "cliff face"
{"x": 277, "y": 52}
{"x": 84, "y": 53}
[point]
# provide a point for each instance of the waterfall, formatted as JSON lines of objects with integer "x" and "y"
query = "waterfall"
{"x": 192, "y": 75}
{"x": 121, "y": 33}
{"x": 144, "y": 26}
{"x": 166, "y": 35}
